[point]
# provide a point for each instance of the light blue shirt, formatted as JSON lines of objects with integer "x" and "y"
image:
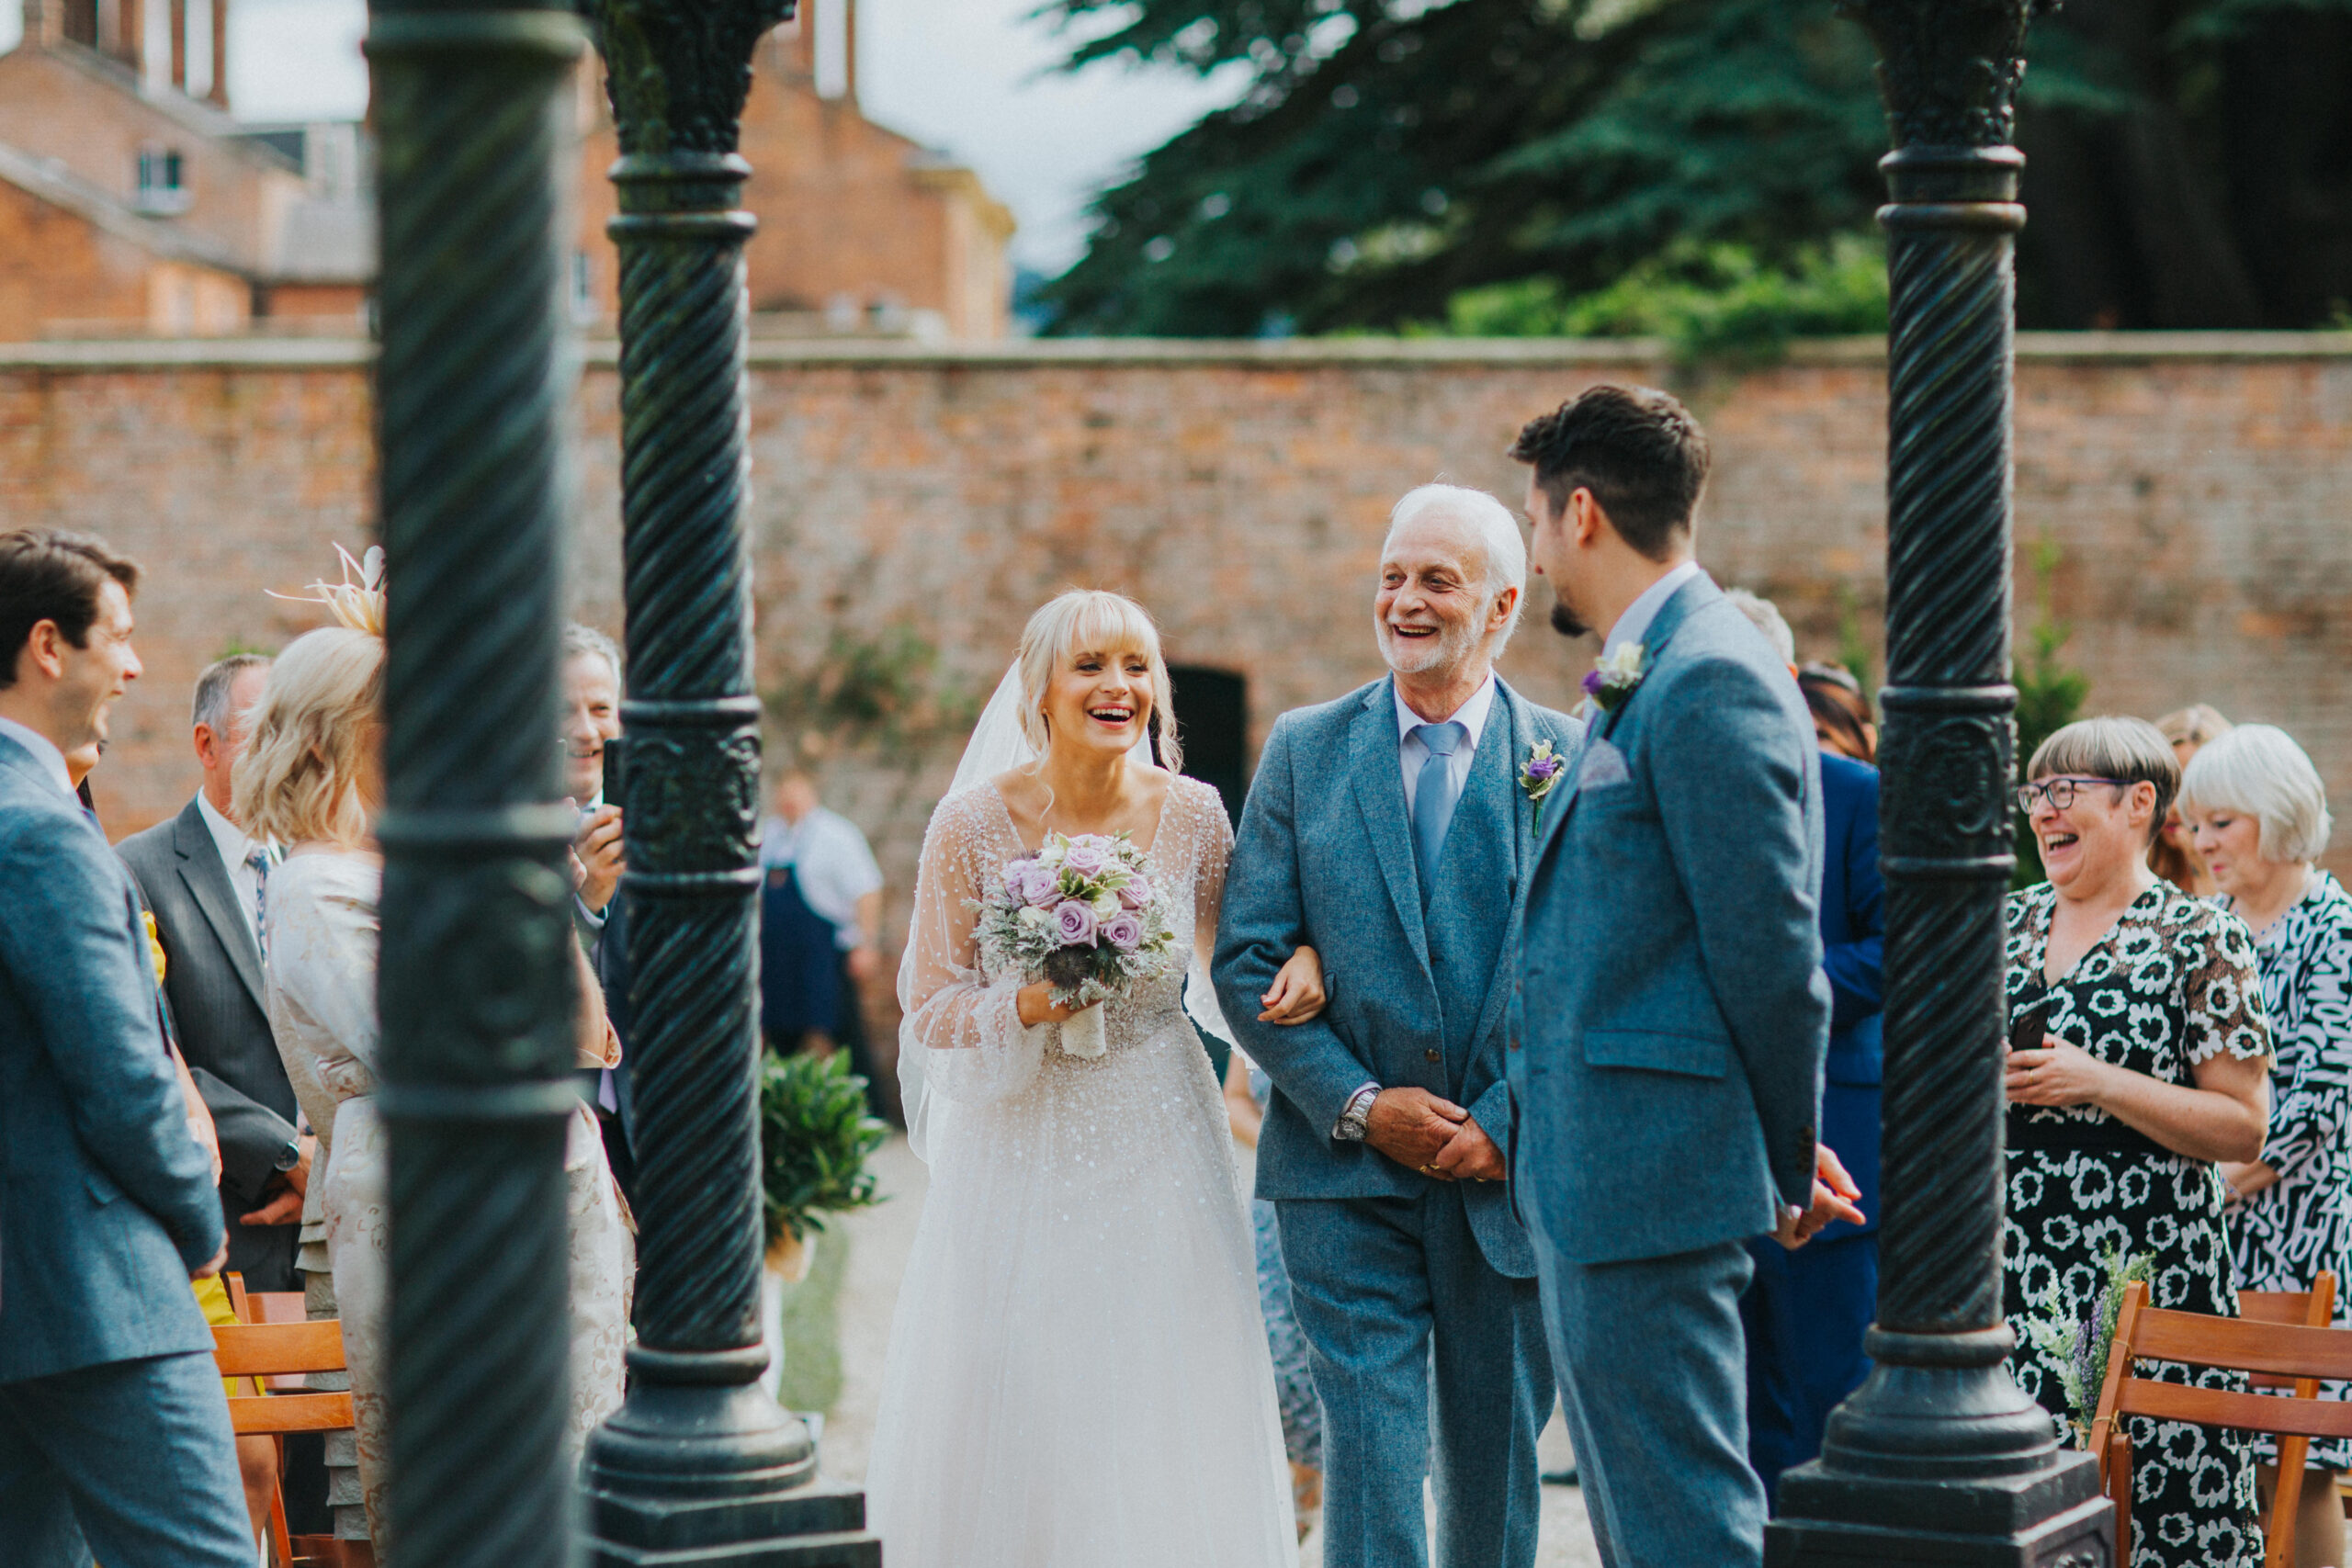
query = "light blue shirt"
{"x": 1635, "y": 624}
{"x": 1471, "y": 716}
{"x": 44, "y": 751}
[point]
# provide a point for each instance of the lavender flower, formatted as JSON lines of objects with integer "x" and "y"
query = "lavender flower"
{"x": 1136, "y": 893}
{"x": 1041, "y": 885}
{"x": 1123, "y": 931}
{"x": 1074, "y": 923}
{"x": 1086, "y": 857}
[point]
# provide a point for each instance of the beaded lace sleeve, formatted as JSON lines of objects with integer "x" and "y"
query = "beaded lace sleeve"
{"x": 963, "y": 1028}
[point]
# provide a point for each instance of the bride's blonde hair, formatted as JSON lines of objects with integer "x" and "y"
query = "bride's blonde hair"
{"x": 297, "y": 779}
{"x": 1086, "y": 620}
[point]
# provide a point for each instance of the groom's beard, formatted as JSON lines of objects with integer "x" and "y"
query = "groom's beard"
{"x": 1565, "y": 622}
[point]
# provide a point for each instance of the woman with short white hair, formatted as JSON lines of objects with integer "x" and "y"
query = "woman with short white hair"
{"x": 2257, "y": 812}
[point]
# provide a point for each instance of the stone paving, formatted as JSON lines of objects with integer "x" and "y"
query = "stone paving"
{"x": 879, "y": 1239}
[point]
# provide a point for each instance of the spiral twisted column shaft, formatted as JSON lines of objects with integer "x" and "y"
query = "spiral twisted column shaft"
{"x": 1938, "y": 1457}
{"x": 698, "y": 1465}
{"x": 475, "y": 983}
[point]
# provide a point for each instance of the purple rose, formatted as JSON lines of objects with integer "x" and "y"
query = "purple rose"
{"x": 1040, "y": 885}
{"x": 1074, "y": 923}
{"x": 1136, "y": 893}
{"x": 1087, "y": 857}
{"x": 1543, "y": 768}
{"x": 1012, "y": 880}
{"x": 1124, "y": 932}
{"x": 1591, "y": 682}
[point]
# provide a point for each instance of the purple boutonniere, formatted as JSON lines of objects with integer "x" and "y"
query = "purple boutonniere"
{"x": 1540, "y": 773}
{"x": 1614, "y": 677}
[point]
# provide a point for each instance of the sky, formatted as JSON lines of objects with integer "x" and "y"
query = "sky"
{"x": 970, "y": 77}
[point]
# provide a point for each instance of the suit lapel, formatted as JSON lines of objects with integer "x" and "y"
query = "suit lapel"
{"x": 207, "y": 881}
{"x": 1700, "y": 590}
{"x": 1379, "y": 782}
{"x": 1500, "y": 784}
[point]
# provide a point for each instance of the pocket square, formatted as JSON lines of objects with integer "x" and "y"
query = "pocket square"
{"x": 1604, "y": 765}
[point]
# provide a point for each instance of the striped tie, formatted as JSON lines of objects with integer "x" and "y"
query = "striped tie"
{"x": 259, "y": 861}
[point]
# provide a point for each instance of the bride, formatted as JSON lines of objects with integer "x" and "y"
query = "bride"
{"x": 1078, "y": 1374}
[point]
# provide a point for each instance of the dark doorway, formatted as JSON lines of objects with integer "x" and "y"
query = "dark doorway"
{"x": 1213, "y": 716}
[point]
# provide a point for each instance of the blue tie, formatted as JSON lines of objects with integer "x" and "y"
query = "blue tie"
{"x": 1433, "y": 795}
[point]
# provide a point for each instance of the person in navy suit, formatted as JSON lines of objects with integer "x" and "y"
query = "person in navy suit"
{"x": 114, "y": 1431}
{"x": 1806, "y": 1312}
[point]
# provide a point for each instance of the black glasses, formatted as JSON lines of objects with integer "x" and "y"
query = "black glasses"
{"x": 2060, "y": 793}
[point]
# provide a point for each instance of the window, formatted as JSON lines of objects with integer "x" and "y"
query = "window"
{"x": 1213, "y": 716}
{"x": 163, "y": 181}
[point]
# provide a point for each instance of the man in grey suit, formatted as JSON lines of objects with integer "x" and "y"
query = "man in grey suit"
{"x": 1391, "y": 831}
{"x": 204, "y": 881}
{"x": 1667, "y": 1032}
{"x": 114, "y": 1431}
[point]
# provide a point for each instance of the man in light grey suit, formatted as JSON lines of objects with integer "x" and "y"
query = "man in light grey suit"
{"x": 204, "y": 881}
{"x": 114, "y": 1430}
{"x": 1667, "y": 1032}
{"x": 1390, "y": 830}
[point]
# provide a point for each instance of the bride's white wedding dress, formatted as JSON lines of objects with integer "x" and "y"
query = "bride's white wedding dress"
{"x": 1078, "y": 1374}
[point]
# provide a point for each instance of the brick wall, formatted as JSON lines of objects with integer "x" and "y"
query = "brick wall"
{"x": 2195, "y": 493}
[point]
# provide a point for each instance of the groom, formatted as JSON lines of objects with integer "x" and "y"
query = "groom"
{"x": 1392, "y": 830}
{"x": 1667, "y": 1033}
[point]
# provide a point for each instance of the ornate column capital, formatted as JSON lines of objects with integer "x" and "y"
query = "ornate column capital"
{"x": 1949, "y": 69}
{"x": 678, "y": 71}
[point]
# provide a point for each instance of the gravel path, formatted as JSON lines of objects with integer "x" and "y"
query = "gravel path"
{"x": 879, "y": 1240}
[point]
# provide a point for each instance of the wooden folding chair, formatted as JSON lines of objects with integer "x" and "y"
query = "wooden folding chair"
{"x": 269, "y": 1351}
{"x": 2282, "y": 1339}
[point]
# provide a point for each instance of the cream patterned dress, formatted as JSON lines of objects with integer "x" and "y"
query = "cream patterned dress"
{"x": 322, "y": 969}
{"x": 1078, "y": 1374}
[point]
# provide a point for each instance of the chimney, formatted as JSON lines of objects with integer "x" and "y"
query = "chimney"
{"x": 219, "y": 93}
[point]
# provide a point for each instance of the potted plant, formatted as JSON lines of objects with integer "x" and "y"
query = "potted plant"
{"x": 815, "y": 1138}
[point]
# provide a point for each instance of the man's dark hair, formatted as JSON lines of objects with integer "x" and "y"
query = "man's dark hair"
{"x": 1638, "y": 450}
{"x": 46, "y": 575}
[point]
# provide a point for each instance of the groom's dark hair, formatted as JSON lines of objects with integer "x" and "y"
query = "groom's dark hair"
{"x": 1636, "y": 449}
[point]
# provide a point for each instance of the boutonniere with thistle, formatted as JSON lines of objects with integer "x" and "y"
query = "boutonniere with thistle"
{"x": 1540, "y": 773}
{"x": 1614, "y": 677}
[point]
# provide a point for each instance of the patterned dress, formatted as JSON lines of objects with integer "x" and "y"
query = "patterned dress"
{"x": 2173, "y": 983}
{"x": 2303, "y": 1223}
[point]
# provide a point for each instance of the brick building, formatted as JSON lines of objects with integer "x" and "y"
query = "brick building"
{"x": 131, "y": 205}
{"x": 861, "y": 229}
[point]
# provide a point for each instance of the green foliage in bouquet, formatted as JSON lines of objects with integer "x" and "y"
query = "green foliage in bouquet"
{"x": 2078, "y": 1347}
{"x": 815, "y": 1138}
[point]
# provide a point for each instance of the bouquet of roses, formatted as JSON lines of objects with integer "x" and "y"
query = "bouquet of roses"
{"x": 1081, "y": 915}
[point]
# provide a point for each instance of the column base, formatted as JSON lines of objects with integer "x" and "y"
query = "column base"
{"x": 686, "y": 1475}
{"x": 2054, "y": 1519}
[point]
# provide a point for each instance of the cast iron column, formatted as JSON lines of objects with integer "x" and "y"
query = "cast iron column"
{"x": 476, "y": 980}
{"x": 1938, "y": 1456}
{"x": 699, "y": 1465}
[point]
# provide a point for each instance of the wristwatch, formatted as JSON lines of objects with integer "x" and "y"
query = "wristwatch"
{"x": 1355, "y": 1120}
{"x": 287, "y": 1157}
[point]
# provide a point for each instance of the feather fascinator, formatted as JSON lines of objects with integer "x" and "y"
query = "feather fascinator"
{"x": 358, "y": 605}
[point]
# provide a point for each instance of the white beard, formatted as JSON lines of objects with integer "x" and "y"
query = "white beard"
{"x": 1450, "y": 649}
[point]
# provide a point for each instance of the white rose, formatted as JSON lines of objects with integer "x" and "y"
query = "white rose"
{"x": 1034, "y": 917}
{"x": 1106, "y": 905}
{"x": 1625, "y": 663}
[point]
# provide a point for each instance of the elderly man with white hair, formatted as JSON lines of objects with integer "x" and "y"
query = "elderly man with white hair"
{"x": 2257, "y": 814}
{"x": 1396, "y": 825}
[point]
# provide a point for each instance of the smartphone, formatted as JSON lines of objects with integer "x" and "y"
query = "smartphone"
{"x": 616, "y": 779}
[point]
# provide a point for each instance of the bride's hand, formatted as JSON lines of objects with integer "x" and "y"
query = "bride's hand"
{"x": 1298, "y": 994}
{"x": 1037, "y": 1005}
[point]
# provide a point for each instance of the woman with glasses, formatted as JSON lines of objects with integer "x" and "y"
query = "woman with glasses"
{"x": 2139, "y": 1060}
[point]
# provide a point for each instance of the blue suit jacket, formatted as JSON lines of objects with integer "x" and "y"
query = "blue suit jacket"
{"x": 1672, "y": 1017}
{"x": 108, "y": 1200}
{"x": 1325, "y": 857}
{"x": 1853, "y": 938}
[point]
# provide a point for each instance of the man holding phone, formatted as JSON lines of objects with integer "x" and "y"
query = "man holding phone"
{"x": 592, "y": 748}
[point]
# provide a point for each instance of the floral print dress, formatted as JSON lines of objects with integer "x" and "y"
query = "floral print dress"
{"x": 2171, "y": 985}
{"x": 2302, "y": 1223}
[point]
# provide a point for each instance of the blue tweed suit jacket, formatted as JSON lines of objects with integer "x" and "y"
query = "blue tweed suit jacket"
{"x": 1671, "y": 1017}
{"x": 1325, "y": 857}
{"x": 107, "y": 1202}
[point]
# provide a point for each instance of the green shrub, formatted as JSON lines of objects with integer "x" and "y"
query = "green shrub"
{"x": 815, "y": 1138}
{"x": 2049, "y": 697}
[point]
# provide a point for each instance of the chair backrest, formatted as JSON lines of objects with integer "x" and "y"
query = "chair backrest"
{"x": 2282, "y": 1339}
{"x": 268, "y": 1349}
{"x": 276, "y": 1306}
